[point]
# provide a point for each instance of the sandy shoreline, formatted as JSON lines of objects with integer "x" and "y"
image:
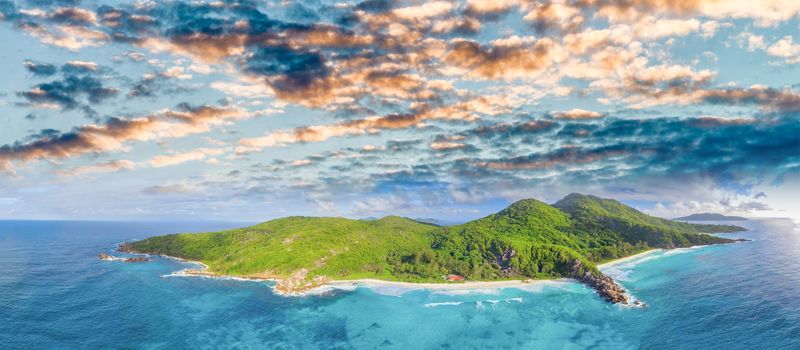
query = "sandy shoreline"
{"x": 629, "y": 258}
{"x": 205, "y": 267}
{"x": 444, "y": 286}
{"x": 367, "y": 283}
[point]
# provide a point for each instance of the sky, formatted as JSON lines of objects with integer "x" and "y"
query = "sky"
{"x": 252, "y": 110}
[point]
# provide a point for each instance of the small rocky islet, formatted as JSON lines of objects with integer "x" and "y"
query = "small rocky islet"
{"x": 107, "y": 257}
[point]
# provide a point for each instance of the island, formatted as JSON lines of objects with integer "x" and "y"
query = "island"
{"x": 710, "y": 217}
{"x": 527, "y": 240}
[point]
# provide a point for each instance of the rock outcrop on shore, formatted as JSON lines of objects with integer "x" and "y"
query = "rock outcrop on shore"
{"x": 605, "y": 286}
{"x": 106, "y": 257}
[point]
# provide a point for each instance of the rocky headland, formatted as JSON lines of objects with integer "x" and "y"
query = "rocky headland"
{"x": 605, "y": 286}
{"x": 106, "y": 257}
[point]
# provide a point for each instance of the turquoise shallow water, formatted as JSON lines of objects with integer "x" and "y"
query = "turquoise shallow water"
{"x": 54, "y": 293}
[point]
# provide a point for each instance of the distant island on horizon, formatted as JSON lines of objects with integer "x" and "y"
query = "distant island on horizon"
{"x": 528, "y": 240}
{"x": 710, "y": 217}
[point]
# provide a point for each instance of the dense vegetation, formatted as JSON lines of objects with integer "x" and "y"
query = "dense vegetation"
{"x": 529, "y": 239}
{"x": 338, "y": 247}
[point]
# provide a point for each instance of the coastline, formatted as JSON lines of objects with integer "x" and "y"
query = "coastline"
{"x": 366, "y": 282}
{"x": 205, "y": 267}
{"x": 328, "y": 285}
{"x": 629, "y": 258}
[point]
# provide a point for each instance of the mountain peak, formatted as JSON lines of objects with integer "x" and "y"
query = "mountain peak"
{"x": 574, "y": 201}
{"x": 529, "y": 211}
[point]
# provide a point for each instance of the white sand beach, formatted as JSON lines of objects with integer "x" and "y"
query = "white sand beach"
{"x": 443, "y": 286}
{"x": 628, "y": 258}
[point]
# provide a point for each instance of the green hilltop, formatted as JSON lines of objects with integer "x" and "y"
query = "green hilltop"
{"x": 529, "y": 239}
{"x": 711, "y": 217}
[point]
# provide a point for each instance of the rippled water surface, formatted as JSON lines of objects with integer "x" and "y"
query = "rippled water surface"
{"x": 55, "y": 293}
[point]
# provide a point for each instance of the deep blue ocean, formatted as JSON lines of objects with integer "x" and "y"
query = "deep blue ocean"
{"x": 55, "y": 293}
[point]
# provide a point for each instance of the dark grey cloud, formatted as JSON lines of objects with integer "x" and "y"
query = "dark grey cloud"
{"x": 736, "y": 155}
{"x": 289, "y": 70}
{"x": 68, "y": 93}
{"x": 777, "y": 99}
{"x": 507, "y": 130}
{"x": 375, "y": 6}
{"x": 41, "y": 69}
{"x": 79, "y": 86}
{"x": 155, "y": 85}
{"x": 72, "y": 15}
{"x": 300, "y": 13}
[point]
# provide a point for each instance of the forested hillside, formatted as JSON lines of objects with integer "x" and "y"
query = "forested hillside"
{"x": 528, "y": 239}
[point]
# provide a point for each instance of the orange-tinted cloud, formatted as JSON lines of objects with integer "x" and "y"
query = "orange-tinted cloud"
{"x": 509, "y": 58}
{"x": 371, "y": 125}
{"x": 116, "y": 133}
{"x": 577, "y": 113}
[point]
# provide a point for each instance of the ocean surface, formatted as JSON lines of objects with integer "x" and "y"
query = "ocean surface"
{"x": 56, "y": 294}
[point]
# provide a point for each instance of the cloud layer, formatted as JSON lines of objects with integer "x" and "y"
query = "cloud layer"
{"x": 447, "y": 102}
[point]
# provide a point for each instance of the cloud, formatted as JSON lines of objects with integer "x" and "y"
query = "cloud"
{"x": 650, "y": 27}
{"x": 489, "y": 9}
{"x": 375, "y": 54}
{"x": 104, "y": 167}
{"x": 158, "y": 161}
{"x": 446, "y": 146}
{"x": 564, "y": 157}
{"x": 509, "y": 59}
{"x": 65, "y": 93}
{"x": 300, "y": 162}
{"x": 159, "y": 84}
{"x": 554, "y": 14}
{"x": 391, "y": 204}
{"x": 80, "y": 66}
{"x": 424, "y": 11}
{"x": 471, "y": 89}
{"x": 783, "y": 48}
{"x": 82, "y": 84}
{"x": 781, "y": 100}
{"x": 183, "y": 157}
{"x": 243, "y": 90}
{"x": 577, "y": 113}
{"x": 40, "y": 69}
{"x": 114, "y": 134}
{"x": 302, "y": 77}
{"x": 786, "y": 49}
{"x": 751, "y": 41}
{"x": 507, "y": 130}
{"x": 764, "y": 13}
{"x": 71, "y": 37}
{"x": 72, "y": 15}
{"x": 170, "y": 189}
{"x": 370, "y": 125}
{"x": 619, "y": 157}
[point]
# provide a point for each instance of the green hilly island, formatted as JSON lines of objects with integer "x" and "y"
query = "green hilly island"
{"x": 527, "y": 240}
{"x": 711, "y": 217}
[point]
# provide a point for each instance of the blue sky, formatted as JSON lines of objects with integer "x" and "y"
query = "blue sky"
{"x": 238, "y": 110}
